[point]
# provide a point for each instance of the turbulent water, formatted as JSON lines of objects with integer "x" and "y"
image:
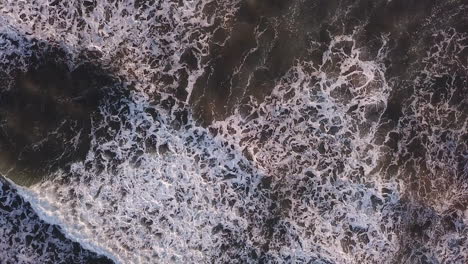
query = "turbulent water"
{"x": 234, "y": 131}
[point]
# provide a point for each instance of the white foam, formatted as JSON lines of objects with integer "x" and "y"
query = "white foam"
{"x": 153, "y": 191}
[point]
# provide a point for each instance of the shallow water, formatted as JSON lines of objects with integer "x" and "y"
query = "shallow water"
{"x": 237, "y": 131}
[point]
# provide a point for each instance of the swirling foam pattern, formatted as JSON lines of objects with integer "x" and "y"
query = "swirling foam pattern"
{"x": 253, "y": 131}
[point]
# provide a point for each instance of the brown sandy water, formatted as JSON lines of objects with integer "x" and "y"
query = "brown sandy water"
{"x": 249, "y": 131}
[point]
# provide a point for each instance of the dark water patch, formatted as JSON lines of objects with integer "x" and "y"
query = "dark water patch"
{"x": 393, "y": 16}
{"x": 246, "y": 59}
{"x": 46, "y": 116}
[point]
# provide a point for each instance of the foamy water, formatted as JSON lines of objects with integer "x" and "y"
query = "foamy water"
{"x": 356, "y": 151}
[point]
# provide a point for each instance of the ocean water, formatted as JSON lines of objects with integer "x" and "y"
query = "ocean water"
{"x": 245, "y": 131}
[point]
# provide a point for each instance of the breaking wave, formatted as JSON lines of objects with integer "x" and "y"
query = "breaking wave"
{"x": 251, "y": 131}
